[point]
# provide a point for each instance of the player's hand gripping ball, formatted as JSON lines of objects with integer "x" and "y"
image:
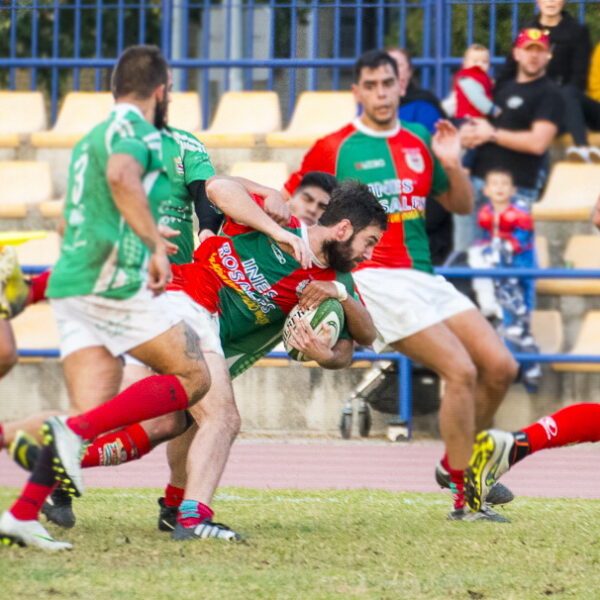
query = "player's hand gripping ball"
{"x": 328, "y": 314}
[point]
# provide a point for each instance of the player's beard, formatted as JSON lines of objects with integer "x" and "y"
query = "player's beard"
{"x": 339, "y": 255}
{"x": 160, "y": 114}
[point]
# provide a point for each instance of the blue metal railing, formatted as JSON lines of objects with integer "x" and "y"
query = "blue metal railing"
{"x": 250, "y": 44}
{"x": 404, "y": 363}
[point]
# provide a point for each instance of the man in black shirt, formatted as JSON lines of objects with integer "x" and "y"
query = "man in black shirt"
{"x": 568, "y": 68}
{"x": 517, "y": 139}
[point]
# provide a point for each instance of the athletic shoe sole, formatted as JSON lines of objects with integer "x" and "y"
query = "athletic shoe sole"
{"x": 14, "y": 532}
{"x": 67, "y": 448}
{"x": 485, "y": 467}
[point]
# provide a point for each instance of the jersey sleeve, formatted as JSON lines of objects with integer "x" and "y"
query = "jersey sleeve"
{"x": 136, "y": 146}
{"x": 196, "y": 162}
{"x": 321, "y": 157}
{"x": 348, "y": 282}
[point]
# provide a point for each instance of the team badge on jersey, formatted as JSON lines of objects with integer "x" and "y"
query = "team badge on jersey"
{"x": 178, "y": 165}
{"x": 414, "y": 159}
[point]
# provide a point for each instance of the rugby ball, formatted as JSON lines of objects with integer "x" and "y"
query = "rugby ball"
{"x": 329, "y": 312}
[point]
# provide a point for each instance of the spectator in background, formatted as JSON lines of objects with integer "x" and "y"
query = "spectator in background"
{"x": 422, "y": 106}
{"x": 508, "y": 241}
{"x": 593, "y": 89}
{"x": 568, "y": 67}
{"x": 416, "y": 105}
{"x": 515, "y": 141}
{"x": 472, "y": 86}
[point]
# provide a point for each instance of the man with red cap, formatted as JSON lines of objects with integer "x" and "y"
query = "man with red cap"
{"x": 517, "y": 139}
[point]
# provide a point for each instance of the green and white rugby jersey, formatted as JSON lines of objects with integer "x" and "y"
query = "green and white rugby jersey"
{"x": 100, "y": 253}
{"x": 186, "y": 160}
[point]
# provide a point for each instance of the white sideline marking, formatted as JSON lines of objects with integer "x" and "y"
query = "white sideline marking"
{"x": 426, "y": 499}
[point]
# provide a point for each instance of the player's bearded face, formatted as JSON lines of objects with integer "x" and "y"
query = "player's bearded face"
{"x": 340, "y": 256}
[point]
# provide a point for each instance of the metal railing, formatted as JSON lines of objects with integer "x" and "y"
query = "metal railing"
{"x": 404, "y": 363}
{"x": 217, "y": 45}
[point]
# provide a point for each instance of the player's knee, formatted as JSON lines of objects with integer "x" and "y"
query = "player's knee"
{"x": 165, "y": 427}
{"x": 196, "y": 381}
{"x": 501, "y": 371}
{"x": 462, "y": 373}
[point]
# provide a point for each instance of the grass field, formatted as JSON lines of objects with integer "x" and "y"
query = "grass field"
{"x": 315, "y": 544}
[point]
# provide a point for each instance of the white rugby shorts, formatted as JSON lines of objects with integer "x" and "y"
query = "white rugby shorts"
{"x": 203, "y": 322}
{"x": 118, "y": 325}
{"x": 405, "y": 301}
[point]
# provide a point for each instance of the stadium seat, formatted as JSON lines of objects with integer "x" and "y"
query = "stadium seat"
{"x": 240, "y": 118}
{"x": 273, "y": 174}
{"x": 80, "y": 112}
{"x": 571, "y": 193}
{"x": 52, "y": 209}
{"x": 582, "y": 252}
{"x": 42, "y": 252}
{"x": 23, "y": 183}
{"x": 35, "y": 328}
{"x": 184, "y": 111}
{"x": 587, "y": 342}
{"x": 547, "y": 329}
{"x": 542, "y": 251}
{"x": 20, "y": 113}
{"x": 315, "y": 115}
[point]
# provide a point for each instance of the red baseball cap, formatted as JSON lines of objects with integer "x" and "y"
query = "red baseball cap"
{"x": 533, "y": 37}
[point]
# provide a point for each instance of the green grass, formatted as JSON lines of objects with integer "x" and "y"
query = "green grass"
{"x": 324, "y": 544}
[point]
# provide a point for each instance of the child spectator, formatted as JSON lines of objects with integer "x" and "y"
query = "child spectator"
{"x": 507, "y": 242}
{"x": 472, "y": 85}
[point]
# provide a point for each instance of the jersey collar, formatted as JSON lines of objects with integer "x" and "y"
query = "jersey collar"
{"x": 123, "y": 107}
{"x": 358, "y": 124}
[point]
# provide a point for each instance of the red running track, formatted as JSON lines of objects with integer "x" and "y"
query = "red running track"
{"x": 336, "y": 464}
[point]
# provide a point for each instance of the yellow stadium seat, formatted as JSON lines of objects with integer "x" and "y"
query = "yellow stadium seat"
{"x": 542, "y": 252}
{"x": 52, "y": 209}
{"x": 316, "y": 114}
{"x": 547, "y": 329}
{"x": 565, "y": 140}
{"x": 23, "y": 183}
{"x": 20, "y": 113}
{"x": 272, "y": 174}
{"x": 35, "y": 328}
{"x": 587, "y": 342}
{"x": 582, "y": 252}
{"x": 40, "y": 252}
{"x": 184, "y": 111}
{"x": 241, "y": 117}
{"x": 571, "y": 193}
{"x": 79, "y": 113}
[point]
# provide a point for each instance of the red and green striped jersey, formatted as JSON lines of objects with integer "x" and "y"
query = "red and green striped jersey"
{"x": 401, "y": 171}
{"x": 253, "y": 285}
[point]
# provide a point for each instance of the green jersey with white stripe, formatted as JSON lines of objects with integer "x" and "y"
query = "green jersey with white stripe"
{"x": 100, "y": 253}
{"x": 186, "y": 160}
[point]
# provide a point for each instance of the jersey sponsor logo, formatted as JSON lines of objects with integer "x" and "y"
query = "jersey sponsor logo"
{"x": 514, "y": 102}
{"x": 392, "y": 187}
{"x": 278, "y": 254}
{"x": 229, "y": 269}
{"x": 178, "y": 165}
{"x": 376, "y": 163}
{"x": 414, "y": 159}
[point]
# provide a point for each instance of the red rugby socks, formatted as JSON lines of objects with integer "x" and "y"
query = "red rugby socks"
{"x": 173, "y": 495}
{"x": 117, "y": 447}
{"x": 146, "y": 399}
{"x": 570, "y": 425}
